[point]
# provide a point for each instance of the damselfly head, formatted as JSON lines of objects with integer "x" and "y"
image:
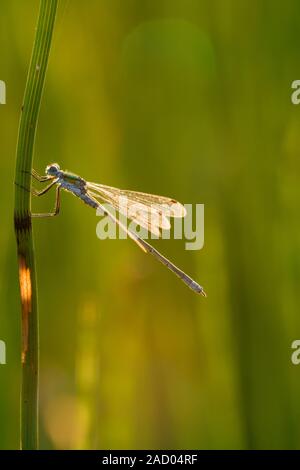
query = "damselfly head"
{"x": 53, "y": 169}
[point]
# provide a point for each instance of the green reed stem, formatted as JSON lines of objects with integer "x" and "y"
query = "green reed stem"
{"x": 23, "y": 229}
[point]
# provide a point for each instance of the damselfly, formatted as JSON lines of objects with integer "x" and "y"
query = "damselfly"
{"x": 158, "y": 207}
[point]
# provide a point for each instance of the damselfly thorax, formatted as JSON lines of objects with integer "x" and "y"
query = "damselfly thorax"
{"x": 150, "y": 211}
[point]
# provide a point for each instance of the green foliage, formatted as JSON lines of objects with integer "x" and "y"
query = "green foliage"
{"x": 183, "y": 98}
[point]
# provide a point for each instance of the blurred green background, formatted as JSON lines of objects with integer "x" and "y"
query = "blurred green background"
{"x": 187, "y": 98}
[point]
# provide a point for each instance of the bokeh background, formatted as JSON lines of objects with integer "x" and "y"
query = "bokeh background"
{"x": 190, "y": 99}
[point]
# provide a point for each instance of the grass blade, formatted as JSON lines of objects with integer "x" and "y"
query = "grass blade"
{"x": 23, "y": 229}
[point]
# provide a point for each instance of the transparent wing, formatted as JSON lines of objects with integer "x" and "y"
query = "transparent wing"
{"x": 166, "y": 205}
{"x": 150, "y": 249}
{"x": 147, "y": 210}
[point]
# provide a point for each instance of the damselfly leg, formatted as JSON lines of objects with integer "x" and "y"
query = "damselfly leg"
{"x": 36, "y": 176}
{"x": 57, "y": 202}
{"x": 41, "y": 179}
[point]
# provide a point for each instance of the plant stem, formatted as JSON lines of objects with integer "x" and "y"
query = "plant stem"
{"x": 23, "y": 229}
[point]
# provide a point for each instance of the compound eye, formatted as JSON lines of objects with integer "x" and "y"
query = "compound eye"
{"x": 52, "y": 169}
